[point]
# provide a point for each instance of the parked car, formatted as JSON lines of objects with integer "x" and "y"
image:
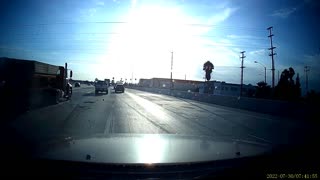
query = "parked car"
{"x": 77, "y": 84}
{"x": 119, "y": 88}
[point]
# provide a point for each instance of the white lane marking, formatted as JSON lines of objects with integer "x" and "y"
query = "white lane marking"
{"x": 262, "y": 139}
{"x": 155, "y": 110}
{"x": 108, "y": 127}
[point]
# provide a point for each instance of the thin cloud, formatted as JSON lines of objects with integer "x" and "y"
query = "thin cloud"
{"x": 92, "y": 11}
{"x": 258, "y": 52}
{"x": 284, "y": 13}
{"x": 100, "y": 3}
{"x": 86, "y": 13}
{"x": 222, "y": 16}
{"x": 233, "y": 36}
{"x": 312, "y": 60}
{"x": 133, "y": 3}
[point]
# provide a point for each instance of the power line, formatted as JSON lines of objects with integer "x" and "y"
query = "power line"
{"x": 235, "y": 45}
{"x": 38, "y": 35}
{"x": 231, "y": 36}
{"x": 63, "y": 23}
{"x": 104, "y": 42}
{"x": 151, "y": 23}
{"x": 68, "y": 42}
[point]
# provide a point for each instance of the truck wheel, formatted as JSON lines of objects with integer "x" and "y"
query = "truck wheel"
{"x": 70, "y": 93}
{"x": 57, "y": 98}
{"x": 107, "y": 92}
{"x": 96, "y": 92}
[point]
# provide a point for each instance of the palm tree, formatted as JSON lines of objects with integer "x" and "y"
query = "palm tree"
{"x": 291, "y": 74}
{"x": 208, "y": 67}
{"x": 287, "y": 88}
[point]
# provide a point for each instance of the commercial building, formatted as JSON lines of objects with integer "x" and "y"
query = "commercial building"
{"x": 227, "y": 89}
{"x": 210, "y": 87}
{"x": 177, "y": 84}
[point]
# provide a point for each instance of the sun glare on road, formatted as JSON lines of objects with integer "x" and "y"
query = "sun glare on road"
{"x": 148, "y": 106}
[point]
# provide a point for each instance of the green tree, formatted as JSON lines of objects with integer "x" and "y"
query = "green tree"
{"x": 263, "y": 90}
{"x": 287, "y": 89}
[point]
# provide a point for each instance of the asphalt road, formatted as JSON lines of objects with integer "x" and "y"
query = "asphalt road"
{"x": 136, "y": 111}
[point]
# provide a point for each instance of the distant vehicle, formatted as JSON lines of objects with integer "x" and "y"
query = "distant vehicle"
{"x": 119, "y": 87}
{"x": 101, "y": 86}
{"x": 77, "y": 84}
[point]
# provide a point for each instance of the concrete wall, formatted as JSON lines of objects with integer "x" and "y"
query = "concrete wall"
{"x": 274, "y": 107}
{"x": 182, "y": 85}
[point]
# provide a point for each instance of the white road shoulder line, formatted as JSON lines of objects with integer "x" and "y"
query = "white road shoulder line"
{"x": 262, "y": 139}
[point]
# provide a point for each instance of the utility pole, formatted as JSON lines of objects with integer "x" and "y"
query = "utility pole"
{"x": 272, "y": 53}
{"x": 306, "y": 70}
{"x": 278, "y": 76}
{"x": 241, "y": 82}
{"x": 171, "y": 70}
{"x": 131, "y": 77}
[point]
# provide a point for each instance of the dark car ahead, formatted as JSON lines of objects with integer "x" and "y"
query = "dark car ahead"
{"x": 119, "y": 88}
{"x": 77, "y": 84}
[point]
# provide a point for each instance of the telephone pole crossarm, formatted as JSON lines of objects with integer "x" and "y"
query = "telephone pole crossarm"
{"x": 272, "y": 53}
{"x": 241, "y": 81}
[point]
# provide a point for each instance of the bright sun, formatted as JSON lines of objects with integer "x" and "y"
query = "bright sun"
{"x": 148, "y": 37}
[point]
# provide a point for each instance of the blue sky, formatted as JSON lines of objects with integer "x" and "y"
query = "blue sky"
{"x": 121, "y": 39}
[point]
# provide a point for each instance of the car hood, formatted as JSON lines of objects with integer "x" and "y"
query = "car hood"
{"x": 150, "y": 148}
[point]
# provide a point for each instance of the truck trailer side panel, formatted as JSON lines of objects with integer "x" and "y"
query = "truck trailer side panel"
{"x": 25, "y": 84}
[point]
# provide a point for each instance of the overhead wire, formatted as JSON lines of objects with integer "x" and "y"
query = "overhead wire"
{"x": 36, "y": 36}
{"x": 127, "y": 22}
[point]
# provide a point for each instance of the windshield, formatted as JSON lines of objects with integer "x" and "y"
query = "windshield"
{"x": 101, "y": 82}
{"x": 244, "y": 70}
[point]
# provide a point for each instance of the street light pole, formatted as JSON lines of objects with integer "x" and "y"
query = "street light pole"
{"x": 265, "y": 70}
{"x": 171, "y": 70}
{"x": 265, "y": 74}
